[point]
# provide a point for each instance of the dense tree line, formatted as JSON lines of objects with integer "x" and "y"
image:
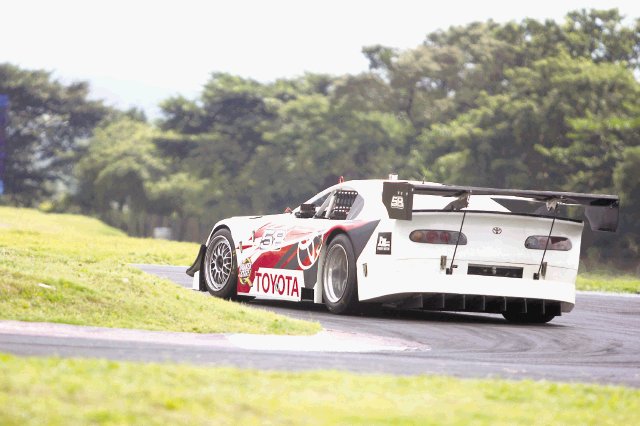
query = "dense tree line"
{"x": 46, "y": 119}
{"x": 532, "y": 104}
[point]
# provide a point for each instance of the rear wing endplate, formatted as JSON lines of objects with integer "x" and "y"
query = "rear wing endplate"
{"x": 602, "y": 211}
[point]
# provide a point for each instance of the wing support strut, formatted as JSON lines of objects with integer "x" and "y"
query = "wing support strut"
{"x": 453, "y": 265}
{"x": 542, "y": 269}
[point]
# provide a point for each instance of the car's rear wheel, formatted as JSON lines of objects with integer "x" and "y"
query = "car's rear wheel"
{"x": 528, "y": 317}
{"x": 220, "y": 265}
{"x": 339, "y": 282}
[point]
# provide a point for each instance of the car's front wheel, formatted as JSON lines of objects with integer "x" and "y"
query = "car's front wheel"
{"x": 220, "y": 266}
{"x": 339, "y": 282}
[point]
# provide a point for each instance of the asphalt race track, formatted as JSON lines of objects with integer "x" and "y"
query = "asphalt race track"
{"x": 599, "y": 342}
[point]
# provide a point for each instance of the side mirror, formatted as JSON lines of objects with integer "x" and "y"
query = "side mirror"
{"x": 306, "y": 211}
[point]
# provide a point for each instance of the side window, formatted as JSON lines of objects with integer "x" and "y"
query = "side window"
{"x": 312, "y": 207}
{"x": 321, "y": 199}
{"x": 340, "y": 204}
{"x": 325, "y": 207}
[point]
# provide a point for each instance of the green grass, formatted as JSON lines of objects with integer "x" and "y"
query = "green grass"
{"x": 607, "y": 282}
{"x": 73, "y": 269}
{"x": 66, "y": 392}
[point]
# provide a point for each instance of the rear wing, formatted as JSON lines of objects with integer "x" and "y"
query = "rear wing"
{"x": 602, "y": 211}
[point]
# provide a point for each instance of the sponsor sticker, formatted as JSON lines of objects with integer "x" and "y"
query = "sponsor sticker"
{"x": 281, "y": 284}
{"x": 244, "y": 272}
{"x": 383, "y": 244}
{"x": 397, "y": 202}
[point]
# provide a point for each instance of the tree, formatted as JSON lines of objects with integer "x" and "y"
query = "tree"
{"x": 46, "y": 121}
{"x": 627, "y": 184}
{"x": 119, "y": 165}
{"x": 601, "y": 36}
{"x": 543, "y": 130}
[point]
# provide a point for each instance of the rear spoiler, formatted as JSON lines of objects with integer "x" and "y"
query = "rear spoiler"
{"x": 602, "y": 211}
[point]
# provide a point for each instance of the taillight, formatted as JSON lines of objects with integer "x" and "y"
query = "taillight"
{"x": 432, "y": 236}
{"x": 539, "y": 242}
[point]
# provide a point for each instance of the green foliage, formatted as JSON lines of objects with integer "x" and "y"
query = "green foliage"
{"x": 547, "y": 129}
{"x": 116, "y": 172}
{"x": 626, "y": 178}
{"x": 119, "y": 160}
{"x": 46, "y": 120}
{"x": 608, "y": 281}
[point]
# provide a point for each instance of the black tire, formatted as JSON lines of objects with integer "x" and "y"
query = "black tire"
{"x": 528, "y": 318}
{"x": 220, "y": 267}
{"x": 339, "y": 280}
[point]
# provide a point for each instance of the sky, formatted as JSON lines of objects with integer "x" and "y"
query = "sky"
{"x": 139, "y": 52}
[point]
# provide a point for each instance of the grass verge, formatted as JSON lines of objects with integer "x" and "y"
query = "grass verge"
{"x": 73, "y": 269}
{"x": 66, "y": 392}
{"x": 608, "y": 282}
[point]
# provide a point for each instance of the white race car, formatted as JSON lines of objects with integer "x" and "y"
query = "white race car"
{"x": 411, "y": 245}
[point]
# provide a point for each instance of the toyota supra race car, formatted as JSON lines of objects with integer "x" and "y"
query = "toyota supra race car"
{"x": 411, "y": 245}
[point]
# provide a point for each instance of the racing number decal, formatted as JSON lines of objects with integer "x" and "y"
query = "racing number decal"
{"x": 397, "y": 202}
{"x": 272, "y": 239}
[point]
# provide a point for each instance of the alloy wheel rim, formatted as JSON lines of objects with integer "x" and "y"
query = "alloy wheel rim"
{"x": 336, "y": 272}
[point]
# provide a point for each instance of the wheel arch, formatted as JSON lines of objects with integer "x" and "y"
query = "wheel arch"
{"x": 317, "y": 294}
{"x": 358, "y": 236}
{"x": 215, "y": 229}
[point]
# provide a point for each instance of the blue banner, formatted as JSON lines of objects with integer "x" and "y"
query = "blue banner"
{"x": 4, "y": 107}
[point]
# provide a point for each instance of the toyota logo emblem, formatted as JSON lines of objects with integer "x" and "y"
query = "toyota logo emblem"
{"x": 496, "y": 230}
{"x": 309, "y": 251}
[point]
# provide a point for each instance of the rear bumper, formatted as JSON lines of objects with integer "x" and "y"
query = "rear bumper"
{"x": 402, "y": 279}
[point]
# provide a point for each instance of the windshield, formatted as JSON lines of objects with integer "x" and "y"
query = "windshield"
{"x": 341, "y": 203}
